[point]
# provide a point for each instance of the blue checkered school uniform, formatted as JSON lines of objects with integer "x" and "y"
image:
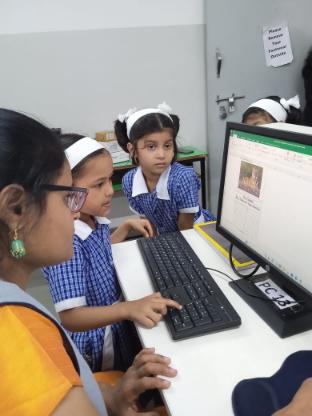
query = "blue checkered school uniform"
{"x": 176, "y": 192}
{"x": 89, "y": 279}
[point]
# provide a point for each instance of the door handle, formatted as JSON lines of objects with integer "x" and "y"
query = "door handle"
{"x": 219, "y": 62}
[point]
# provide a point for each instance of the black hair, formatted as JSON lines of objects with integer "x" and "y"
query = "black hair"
{"x": 307, "y": 78}
{"x": 294, "y": 115}
{"x": 30, "y": 156}
{"x": 148, "y": 124}
{"x": 70, "y": 138}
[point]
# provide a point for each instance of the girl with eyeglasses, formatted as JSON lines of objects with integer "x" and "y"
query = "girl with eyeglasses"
{"x": 42, "y": 371}
{"x": 159, "y": 188}
{"x": 85, "y": 290}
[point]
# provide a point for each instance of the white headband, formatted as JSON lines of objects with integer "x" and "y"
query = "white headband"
{"x": 277, "y": 110}
{"x": 132, "y": 115}
{"x": 81, "y": 149}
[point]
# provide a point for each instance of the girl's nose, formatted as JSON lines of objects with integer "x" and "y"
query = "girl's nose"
{"x": 161, "y": 152}
{"x": 109, "y": 190}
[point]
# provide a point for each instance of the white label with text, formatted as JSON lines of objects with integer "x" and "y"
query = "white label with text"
{"x": 281, "y": 299}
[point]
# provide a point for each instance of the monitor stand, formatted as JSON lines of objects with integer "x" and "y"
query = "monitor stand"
{"x": 285, "y": 322}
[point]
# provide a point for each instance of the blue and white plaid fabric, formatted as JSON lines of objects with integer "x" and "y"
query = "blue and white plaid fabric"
{"x": 89, "y": 279}
{"x": 182, "y": 187}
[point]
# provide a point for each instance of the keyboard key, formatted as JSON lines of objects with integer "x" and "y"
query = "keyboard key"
{"x": 176, "y": 321}
{"x": 184, "y": 326}
{"x": 191, "y": 292}
{"x": 205, "y": 320}
{"x": 192, "y": 312}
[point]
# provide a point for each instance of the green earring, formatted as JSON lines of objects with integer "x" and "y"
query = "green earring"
{"x": 17, "y": 248}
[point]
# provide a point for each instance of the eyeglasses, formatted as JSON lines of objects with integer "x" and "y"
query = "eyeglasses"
{"x": 75, "y": 198}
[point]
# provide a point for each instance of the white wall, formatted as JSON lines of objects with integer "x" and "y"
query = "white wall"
{"x": 28, "y": 16}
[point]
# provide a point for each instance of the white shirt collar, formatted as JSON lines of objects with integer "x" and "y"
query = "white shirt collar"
{"x": 83, "y": 230}
{"x": 139, "y": 185}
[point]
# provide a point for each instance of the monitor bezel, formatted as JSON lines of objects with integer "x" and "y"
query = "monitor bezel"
{"x": 265, "y": 131}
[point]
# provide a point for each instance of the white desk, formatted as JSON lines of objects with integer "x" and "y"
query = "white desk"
{"x": 208, "y": 366}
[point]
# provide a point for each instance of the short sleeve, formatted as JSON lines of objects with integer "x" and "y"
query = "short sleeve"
{"x": 33, "y": 382}
{"x": 186, "y": 191}
{"x": 127, "y": 181}
{"x": 67, "y": 281}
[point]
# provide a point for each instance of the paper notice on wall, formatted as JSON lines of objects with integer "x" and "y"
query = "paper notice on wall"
{"x": 277, "y": 47}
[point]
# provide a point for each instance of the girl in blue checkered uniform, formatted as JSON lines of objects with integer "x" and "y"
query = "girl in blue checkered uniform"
{"x": 85, "y": 289}
{"x": 160, "y": 189}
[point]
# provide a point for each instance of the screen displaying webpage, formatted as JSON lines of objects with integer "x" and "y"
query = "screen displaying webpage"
{"x": 267, "y": 201}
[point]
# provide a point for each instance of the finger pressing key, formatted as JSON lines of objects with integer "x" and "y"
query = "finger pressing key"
{"x": 173, "y": 304}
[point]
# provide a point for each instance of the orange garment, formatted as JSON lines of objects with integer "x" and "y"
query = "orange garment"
{"x": 36, "y": 372}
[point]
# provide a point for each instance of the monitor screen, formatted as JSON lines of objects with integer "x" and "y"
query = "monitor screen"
{"x": 265, "y": 201}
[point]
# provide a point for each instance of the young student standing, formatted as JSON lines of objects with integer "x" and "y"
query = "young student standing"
{"x": 162, "y": 190}
{"x": 273, "y": 109}
{"x": 84, "y": 289}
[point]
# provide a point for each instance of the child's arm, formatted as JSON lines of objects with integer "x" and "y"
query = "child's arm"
{"x": 185, "y": 221}
{"x": 142, "y": 226}
{"x": 146, "y": 311}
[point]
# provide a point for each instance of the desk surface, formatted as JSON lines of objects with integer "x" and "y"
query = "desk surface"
{"x": 208, "y": 366}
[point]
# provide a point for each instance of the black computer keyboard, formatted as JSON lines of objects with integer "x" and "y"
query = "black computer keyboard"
{"x": 177, "y": 273}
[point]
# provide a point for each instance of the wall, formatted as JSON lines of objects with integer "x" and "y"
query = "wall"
{"x": 81, "y": 80}
{"x": 76, "y": 64}
{"x": 18, "y": 16}
{"x": 236, "y": 29}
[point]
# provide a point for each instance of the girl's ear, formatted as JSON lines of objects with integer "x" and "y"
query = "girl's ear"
{"x": 12, "y": 204}
{"x": 130, "y": 148}
{"x": 132, "y": 152}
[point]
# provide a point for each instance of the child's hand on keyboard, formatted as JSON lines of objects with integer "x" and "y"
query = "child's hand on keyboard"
{"x": 142, "y": 226}
{"x": 148, "y": 311}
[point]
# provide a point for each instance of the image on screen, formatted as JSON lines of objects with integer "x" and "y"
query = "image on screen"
{"x": 250, "y": 177}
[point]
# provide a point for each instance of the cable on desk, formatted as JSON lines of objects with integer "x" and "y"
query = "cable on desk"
{"x": 234, "y": 268}
{"x": 301, "y": 302}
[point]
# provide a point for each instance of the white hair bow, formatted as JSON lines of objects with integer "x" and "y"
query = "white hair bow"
{"x": 293, "y": 102}
{"x": 125, "y": 116}
{"x": 165, "y": 107}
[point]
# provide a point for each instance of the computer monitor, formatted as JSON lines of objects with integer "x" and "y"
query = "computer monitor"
{"x": 265, "y": 209}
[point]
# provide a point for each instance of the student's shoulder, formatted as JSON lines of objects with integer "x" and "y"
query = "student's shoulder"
{"x": 83, "y": 233}
{"x": 179, "y": 171}
{"x": 80, "y": 244}
{"x": 182, "y": 179}
{"x": 127, "y": 179}
{"x": 130, "y": 173}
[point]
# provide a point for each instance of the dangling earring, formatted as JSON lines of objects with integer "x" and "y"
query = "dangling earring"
{"x": 17, "y": 248}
